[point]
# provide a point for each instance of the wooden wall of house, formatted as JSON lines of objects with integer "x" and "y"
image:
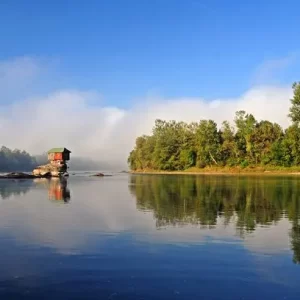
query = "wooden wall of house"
{"x": 59, "y": 156}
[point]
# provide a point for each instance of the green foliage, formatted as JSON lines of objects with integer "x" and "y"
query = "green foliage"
{"x": 187, "y": 158}
{"x": 244, "y": 164}
{"x": 245, "y": 125}
{"x": 264, "y": 136}
{"x": 179, "y": 146}
{"x": 228, "y": 145}
{"x": 207, "y": 142}
{"x": 295, "y": 101}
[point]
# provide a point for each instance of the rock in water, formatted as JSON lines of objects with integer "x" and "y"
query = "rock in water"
{"x": 54, "y": 169}
{"x": 17, "y": 175}
{"x": 100, "y": 175}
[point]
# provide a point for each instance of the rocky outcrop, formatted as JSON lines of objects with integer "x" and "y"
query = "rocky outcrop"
{"x": 53, "y": 169}
{"x": 20, "y": 175}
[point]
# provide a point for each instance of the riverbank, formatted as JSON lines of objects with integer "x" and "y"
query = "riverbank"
{"x": 226, "y": 171}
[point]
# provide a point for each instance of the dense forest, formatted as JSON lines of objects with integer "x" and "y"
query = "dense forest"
{"x": 16, "y": 160}
{"x": 248, "y": 142}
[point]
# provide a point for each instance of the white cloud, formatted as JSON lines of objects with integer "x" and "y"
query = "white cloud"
{"x": 66, "y": 118}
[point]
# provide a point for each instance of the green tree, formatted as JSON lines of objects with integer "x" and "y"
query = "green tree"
{"x": 264, "y": 135}
{"x": 228, "y": 145}
{"x": 187, "y": 155}
{"x": 207, "y": 143}
{"x": 141, "y": 156}
{"x": 245, "y": 124}
{"x": 291, "y": 146}
{"x": 295, "y": 101}
{"x": 15, "y": 160}
{"x": 167, "y": 145}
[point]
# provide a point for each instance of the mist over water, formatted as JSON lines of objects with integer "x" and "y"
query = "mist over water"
{"x": 106, "y": 133}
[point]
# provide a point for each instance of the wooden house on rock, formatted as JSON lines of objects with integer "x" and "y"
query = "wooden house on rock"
{"x": 59, "y": 154}
{"x": 57, "y": 165}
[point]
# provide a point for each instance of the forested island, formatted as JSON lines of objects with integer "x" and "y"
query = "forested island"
{"x": 249, "y": 144}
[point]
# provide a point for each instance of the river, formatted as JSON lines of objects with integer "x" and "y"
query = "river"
{"x": 150, "y": 237}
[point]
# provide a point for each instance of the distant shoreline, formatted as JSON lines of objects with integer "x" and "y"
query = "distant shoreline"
{"x": 221, "y": 171}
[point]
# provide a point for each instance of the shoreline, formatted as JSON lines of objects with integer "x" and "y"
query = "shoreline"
{"x": 232, "y": 172}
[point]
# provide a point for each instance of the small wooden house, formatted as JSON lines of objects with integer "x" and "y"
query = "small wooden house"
{"x": 62, "y": 154}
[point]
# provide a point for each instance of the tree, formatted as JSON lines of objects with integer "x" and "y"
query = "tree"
{"x": 15, "y": 160}
{"x": 295, "y": 101}
{"x": 291, "y": 146}
{"x": 228, "y": 147}
{"x": 167, "y": 145}
{"x": 207, "y": 143}
{"x": 264, "y": 135}
{"x": 245, "y": 124}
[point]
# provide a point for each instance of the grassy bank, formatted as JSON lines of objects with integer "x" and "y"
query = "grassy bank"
{"x": 227, "y": 170}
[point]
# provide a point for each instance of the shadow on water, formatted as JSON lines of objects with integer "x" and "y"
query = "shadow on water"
{"x": 247, "y": 202}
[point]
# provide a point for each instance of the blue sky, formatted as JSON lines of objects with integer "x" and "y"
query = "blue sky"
{"x": 175, "y": 48}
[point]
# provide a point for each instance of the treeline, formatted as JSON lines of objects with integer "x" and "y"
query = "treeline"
{"x": 179, "y": 146}
{"x": 16, "y": 160}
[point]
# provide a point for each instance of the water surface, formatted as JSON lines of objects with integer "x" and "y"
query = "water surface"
{"x": 150, "y": 237}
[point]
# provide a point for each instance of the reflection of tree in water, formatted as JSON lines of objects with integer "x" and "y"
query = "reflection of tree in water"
{"x": 14, "y": 187}
{"x": 293, "y": 211}
{"x": 247, "y": 201}
{"x": 295, "y": 241}
{"x": 57, "y": 188}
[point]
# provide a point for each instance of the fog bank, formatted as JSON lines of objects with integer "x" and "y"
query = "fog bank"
{"x": 70, "y": 118}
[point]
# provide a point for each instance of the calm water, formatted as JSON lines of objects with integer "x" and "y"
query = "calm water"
{"x": 150, "y": 237}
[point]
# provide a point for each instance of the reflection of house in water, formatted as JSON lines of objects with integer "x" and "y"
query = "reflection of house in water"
{"x": 57, "y": 188}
